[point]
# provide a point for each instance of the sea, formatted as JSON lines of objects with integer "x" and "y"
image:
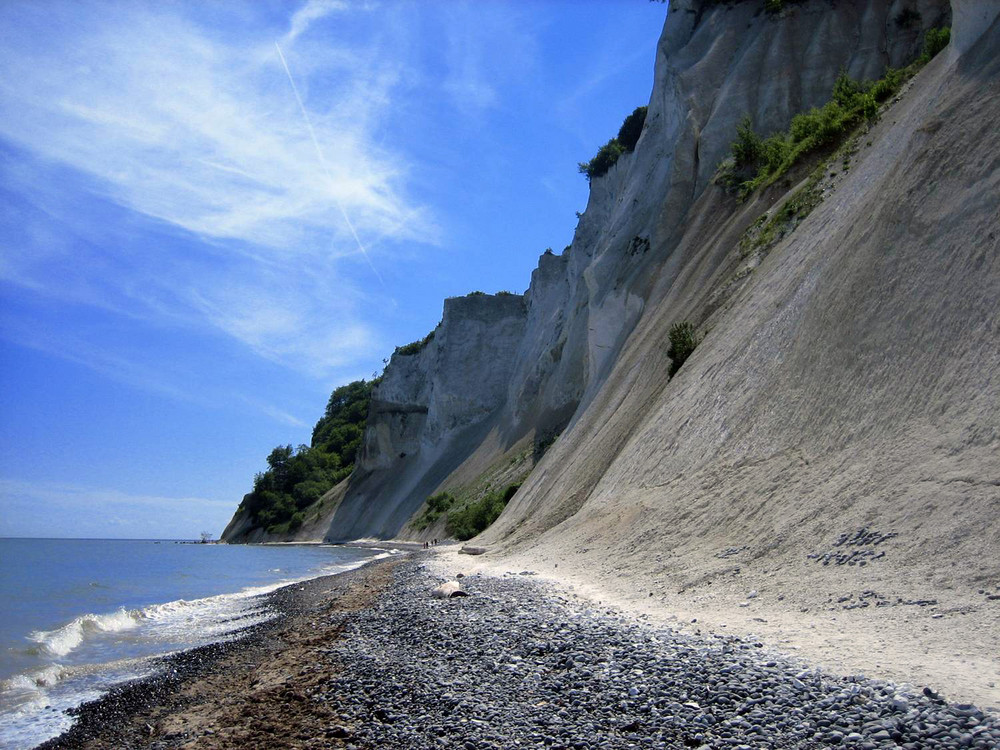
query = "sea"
{"x": 79, "y": 616}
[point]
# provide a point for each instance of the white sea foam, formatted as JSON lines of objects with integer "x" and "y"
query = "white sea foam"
{"x": 211, "y": 616}
{"x": 61, "y": 641}
{"x": 39, "y": 678}
{"x": 33, "y": 703}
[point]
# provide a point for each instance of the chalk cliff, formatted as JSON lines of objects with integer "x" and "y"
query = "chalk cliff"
{"x": 833, "y": 445}
{"x": 499, "y": 372}
{"x": 431, "y": 410}
{"x": 846, "y": 395}
{"x": 583, "y": 350}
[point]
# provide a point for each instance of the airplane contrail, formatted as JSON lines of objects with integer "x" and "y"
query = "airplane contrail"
{"x": 322, "y": 161}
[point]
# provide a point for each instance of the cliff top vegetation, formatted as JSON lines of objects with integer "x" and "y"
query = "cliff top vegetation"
{"x": 609, "y": 153}
{"x": 297, "y": 478}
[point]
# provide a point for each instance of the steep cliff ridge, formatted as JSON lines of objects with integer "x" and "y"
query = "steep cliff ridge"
{"x": 890, "y": 243}
{"x": 458, "y": 378}
{"x": 502, "y": 369}
{"x": 431, "y": 410}
{"x": 712, "y": 69}
{"x": 832, "y": 444}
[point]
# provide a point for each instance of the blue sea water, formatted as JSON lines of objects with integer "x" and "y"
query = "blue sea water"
{"x": 78, "y": 616}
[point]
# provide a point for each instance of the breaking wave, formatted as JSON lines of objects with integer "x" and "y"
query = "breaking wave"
{"x": 210, "y": 617}
{"x": 61, "y": 641}
{"x": 42, "y": 678}
{"x": 83, "y": 658}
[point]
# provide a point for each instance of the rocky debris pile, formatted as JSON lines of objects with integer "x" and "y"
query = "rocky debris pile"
{"x": 514, "y": 664}
{"x": 731, "y": 552}
{"x": 874, "y": 599}
{"x": 864, "y": 542}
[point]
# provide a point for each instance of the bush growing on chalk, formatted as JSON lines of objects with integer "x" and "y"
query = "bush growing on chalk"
{"x": 476, "y": 517}
{"x": 934, "y": 41}
{"x": 608, "y": 154}
{"x": 683, "y": 340}
{"x": 296, "y": 478}
{"x": 436, "y": 506}
{"x": 757, "y": 162}
{"x": 415, "y": 347}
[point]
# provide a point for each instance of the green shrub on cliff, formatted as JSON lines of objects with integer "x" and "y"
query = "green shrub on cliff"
{"x": 415, "y": 347}
{"x": 935, "y": 40}
{"x": 757, "y": 162}
{"x": 748, "y": 148}
{"x": 296, "y": 478}
{"x": 608, "y": 154}
{"x": 683, "y": 340}
{"x": 605, "y": 158}
{"x": 436, "y": 506}
{"x": 476, "y": 517}
{"x": 631, "y": 129}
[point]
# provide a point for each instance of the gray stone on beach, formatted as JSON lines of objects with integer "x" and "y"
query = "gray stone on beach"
{"x": 517, "y": 663}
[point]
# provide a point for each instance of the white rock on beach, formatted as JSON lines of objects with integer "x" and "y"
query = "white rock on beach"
{"x": 448, "y": 590}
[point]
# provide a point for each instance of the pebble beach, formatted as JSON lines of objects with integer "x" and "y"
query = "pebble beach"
{"x": 370, "y": 659}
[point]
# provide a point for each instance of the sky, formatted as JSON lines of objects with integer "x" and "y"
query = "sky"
{"x": 212, "y": 214}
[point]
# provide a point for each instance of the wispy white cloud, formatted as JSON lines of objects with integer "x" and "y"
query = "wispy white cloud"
{"x": 278, "y": 415}
{"x": 488, "y": 49}
{"x": 207, "y": 135}
{"x": 304, "y": 17}
{"x": 96, "y": 512}
{"x": 203, "y": 133}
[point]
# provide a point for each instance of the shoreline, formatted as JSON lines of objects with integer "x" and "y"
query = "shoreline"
{"x": 120, "y": 717}
{"x": 386, "y": 545}
{"x": 369, "y": 659}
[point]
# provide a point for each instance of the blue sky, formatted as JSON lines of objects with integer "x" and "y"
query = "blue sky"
{"x": 212, "y": 214}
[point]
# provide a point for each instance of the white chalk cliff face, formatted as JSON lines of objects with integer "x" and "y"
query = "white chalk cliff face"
{"x": 458, "y": 379}
{"x": 851, "y": 381}
{"x": 510, "y": 367}
{"x": 430, "y": 412}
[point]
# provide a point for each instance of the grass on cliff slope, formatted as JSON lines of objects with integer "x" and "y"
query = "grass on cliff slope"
{"x": 770, "y": 228}
{"x": 757, "y": 162}
{"x": 437, "y": 505}
{"x": 477, "y": 516}
{"x": 296, "y": 478}
{"x": 476, "y": 505}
